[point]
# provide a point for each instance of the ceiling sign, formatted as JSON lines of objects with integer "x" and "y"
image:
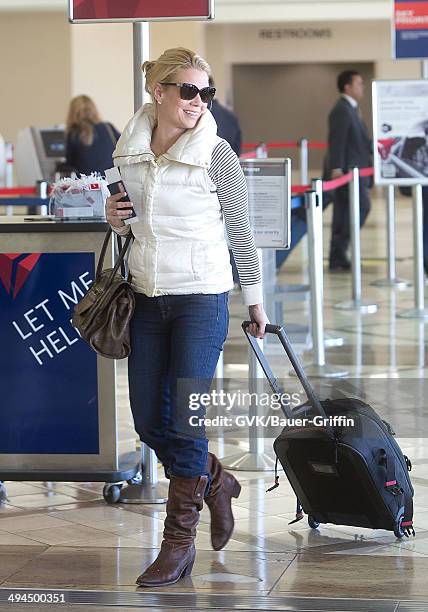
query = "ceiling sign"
{"x": 410, "y": 29}
{"x": 90, "y": 11}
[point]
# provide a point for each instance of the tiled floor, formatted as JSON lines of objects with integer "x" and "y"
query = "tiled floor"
{"x": 63, "y": 536}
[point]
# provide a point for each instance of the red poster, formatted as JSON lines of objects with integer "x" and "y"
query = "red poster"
{"x": 411, "y": 15}
{"x": 139, "y": 10}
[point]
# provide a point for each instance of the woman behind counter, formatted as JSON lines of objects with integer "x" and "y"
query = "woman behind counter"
{"x": 90, "y": 141}
{"x": 185, "y": 184}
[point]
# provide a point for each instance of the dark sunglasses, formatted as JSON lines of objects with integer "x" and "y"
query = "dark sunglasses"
{"x": 189, "y": 91}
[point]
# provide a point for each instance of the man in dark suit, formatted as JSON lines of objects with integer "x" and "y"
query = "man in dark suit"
{"x": 227, "y": 124}
{"x": 349, "y": 146}
{"x": 228, "y": 128}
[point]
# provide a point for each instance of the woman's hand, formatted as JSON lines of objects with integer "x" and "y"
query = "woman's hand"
{"x": 114, "y": 213}
{"x": 259, "y": 320}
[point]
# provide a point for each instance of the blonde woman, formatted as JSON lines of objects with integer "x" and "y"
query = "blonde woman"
{"x": 185, "y": 184}
{"x": 90, "y": 141}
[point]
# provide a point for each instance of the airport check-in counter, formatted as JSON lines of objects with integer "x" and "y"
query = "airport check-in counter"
{"x": 59, "y": 403}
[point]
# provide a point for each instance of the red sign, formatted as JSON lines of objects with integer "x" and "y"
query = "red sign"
{"x": 411, "y": 15}
{"x": 410, "y": 29}
{"x": 83, "y": 11}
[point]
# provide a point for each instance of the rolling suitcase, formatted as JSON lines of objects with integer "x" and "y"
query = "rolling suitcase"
{"x": 343, "y": 462}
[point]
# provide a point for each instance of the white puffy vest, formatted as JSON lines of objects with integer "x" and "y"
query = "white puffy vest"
{"x": 179, "y": 246}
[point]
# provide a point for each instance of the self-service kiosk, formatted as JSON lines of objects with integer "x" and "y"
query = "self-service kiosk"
{"x": 38, "y": 152}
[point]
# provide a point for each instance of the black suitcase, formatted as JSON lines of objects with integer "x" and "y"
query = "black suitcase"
{"x": 344, "y": 465}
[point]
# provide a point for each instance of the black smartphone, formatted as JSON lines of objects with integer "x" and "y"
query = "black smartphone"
{"x": 115, "y": 185}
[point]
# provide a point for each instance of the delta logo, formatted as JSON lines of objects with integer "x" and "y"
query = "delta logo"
{"x": 15, "y": 269}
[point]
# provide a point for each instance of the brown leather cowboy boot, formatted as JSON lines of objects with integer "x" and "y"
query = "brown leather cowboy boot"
{"x": 223, "y": 487}
{"x": 177, "y": 553}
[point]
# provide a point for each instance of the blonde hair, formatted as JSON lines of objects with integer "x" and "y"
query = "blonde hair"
{"x": 82, "y": 115}
{"x": 167, "y": 65}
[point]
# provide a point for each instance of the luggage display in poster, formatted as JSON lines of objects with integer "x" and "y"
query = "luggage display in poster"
{"x": 400, "y": 132}
{"x": 344, "y": 464}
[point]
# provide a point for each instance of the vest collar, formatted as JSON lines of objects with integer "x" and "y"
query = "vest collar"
{"x": 194, "y": 147}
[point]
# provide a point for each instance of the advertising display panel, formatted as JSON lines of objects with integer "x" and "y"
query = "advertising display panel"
{"x": 89, "y": 11}
{"x": 269, "y": 193}
{"x": 410, "y": 29}
{"x": 400, "y": 132}
{"x": 50, "y": 396}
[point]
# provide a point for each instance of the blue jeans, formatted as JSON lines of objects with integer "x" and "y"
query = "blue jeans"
{"x": 176, "y": 342}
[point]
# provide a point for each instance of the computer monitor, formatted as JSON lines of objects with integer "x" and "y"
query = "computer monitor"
{"x": 38, "y": 152}
{"x": 53, "y": 142}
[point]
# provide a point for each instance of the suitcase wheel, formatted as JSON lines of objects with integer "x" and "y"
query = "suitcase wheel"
{"x": 398, "y": 530}
{"x": 313, "y": 523}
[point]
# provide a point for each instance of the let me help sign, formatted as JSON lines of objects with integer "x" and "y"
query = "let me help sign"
{"x": 410, "y": 34}
{"x": 88, "y": 11}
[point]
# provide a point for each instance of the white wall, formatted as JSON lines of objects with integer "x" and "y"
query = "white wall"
{"x": 102, "y": 67}
{"x": 256, "y": 11}
{"x": 46, "y": 61}
{"x": 358, "y": 41}
{"x": 34, "y": 70}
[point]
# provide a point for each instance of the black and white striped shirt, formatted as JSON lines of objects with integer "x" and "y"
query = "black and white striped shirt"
{"x": 226, "y": 173}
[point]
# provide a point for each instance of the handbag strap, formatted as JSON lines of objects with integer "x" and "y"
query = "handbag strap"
{"x": 119, "y": 248}
{"x": 121, "y": 256}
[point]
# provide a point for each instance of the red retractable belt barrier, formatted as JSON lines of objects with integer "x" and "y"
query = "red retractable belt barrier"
{"x": 317, "y": 145}
{"x": 300, "y": 188}
{"x": 271, "y": 145}
{"x": 249, "y": 155}
{"x": 367, "y": 172}
{"x": 289, "y": 144}
{"x": 339, "y": 182}
{"x": 17, "y": 191}
{"x": 346, "y": 178}
{"x": 334, "y": 184}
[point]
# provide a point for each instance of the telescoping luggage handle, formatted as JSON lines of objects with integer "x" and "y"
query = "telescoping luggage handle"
{"x": 280, "y": 332}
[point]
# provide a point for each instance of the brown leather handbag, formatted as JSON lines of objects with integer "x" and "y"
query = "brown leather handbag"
{"x": 103, "y": 315}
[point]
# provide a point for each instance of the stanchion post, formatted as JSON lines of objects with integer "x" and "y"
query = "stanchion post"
{"x": 8, "y": 176}
{"x": 356, "y": 303}
{"x": 9, "y": 164}
{"x": 219, "y": 372}
{"x": 418, "y": 260}
{"x": 255, "y": 459}
{"x": 390, "y": 228}
{"x": 315, "y": 275}
{"x": 261, "y": 151}
{"x": 391, "y": 280}
{"x": 304, "y": 161}
{"x": 354, "y": 209}
{"x": 313, "y": 204}
{"x": 419, "y": 311}
{"x": 42, "y": 193}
